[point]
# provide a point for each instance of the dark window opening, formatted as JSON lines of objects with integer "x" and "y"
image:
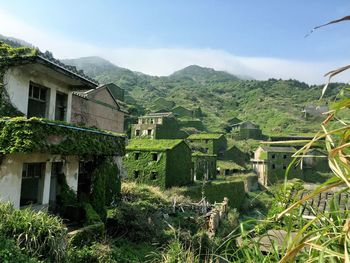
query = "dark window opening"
{"x": 137, "y": 132}
{"x": 37, "y": 101}
{"x": 56, "y": 172}
{"x": 284, "y": 156}
{"x": 273, "y": 166}
{"x": 206, "y": 141}
{"x": 206, "y": 150}
{"x": 154, "y": 156}
{"x": 154, "y": 175}
{"x": 136, "y": 174}
{"x": 273, "y": 156}
{"x": 137, "y": 156}
{"x": 84, "y": 178}
{"x": 149, "y": 132}
{"x": 284, "y": 167}
{"x": 31, "y": 186}
{"x": 61, "y": 106}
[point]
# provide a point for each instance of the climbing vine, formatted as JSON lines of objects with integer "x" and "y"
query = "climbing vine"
{"x": 9, "y": 56}
{"x": 39, "y": 135}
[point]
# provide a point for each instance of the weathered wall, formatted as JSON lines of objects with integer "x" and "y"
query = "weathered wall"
{"x": 145, "y": 165}
{"x": 179, "y": 166}
{"x": 11, "y": 175}
{"x": 204, "y": 166}
{"x": 94, "y": 114}
{"x": 17, "y": 81}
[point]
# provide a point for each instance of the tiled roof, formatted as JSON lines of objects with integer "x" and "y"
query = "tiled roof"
{"x": 47, "y": 56}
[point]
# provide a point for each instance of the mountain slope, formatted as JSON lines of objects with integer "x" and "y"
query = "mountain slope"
{"x": 275, "y": 105}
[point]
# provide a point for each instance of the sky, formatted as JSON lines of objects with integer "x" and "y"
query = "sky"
{"x": 260, "y": 39}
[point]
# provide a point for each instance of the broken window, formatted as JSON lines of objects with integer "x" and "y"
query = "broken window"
{"x": 37, "y": 101}
{"x": 284, "y": 167}
{"x": 31, "y": 186}
{"x": 206, "y": 141}
{"x": 137, "y": 156}
{"x": 154, "y": 175}
{"x": 284, "y": 156}
{"x": 273, "y": 166}
{"x": 61, "y": 106}
{"x": 154, "y": 156}
{"x": 149, "y": 132}
{"x": 273, "y": 156}
{"x": 137, "y": 132}
{"x": 136, "y": 174}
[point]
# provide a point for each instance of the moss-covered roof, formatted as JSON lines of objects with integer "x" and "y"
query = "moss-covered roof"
{"x": 208, "y": 136}
{"x": 203, "y": 154}
{"x": 152, "y": 145}
{"x": 277, "y": 149}
{"x": 229, "y": 165}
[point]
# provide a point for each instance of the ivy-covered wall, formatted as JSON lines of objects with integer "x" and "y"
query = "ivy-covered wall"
{"x": 140, "y": 166}
{"x": 9, "y": 55}
{"x": 215, "y": 191}
{"x": 245, "y": 134}
{"x": 164, "y": 168}
{"x": 204, "y": 166}
{"x": 43, "y": 136}
{"x": 179, "y": 166}
{"x": 209, "y": 145}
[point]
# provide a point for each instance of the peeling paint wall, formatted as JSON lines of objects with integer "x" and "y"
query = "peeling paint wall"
{"x": 11, "y": 175}
{"x": 17, "y": 81}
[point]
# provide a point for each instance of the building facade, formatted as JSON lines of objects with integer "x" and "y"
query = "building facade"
{"x": 163, "y": 162}
{"x": 99, "y": 108}
{"x": 210, "y": 143}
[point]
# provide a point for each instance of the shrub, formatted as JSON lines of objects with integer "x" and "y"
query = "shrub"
{"x": 91, "y": 254}
{"x": 10, "y": 252}
{"x": 37, "y": 233}
{"x": 86, "y": 235}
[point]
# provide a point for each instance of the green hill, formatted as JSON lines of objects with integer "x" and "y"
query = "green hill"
{"x": 275, "y": 105}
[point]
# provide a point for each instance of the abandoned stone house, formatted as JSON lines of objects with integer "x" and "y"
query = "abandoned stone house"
{"x": 156, "y": 126}
{"x": 271, "y": 164}
{"x": 181, "y": 111}
{"x": 102, "y": 107}
{"x": 211, "y": 143}
{"x": 247, "y": 130}
{"x": 204, "y": 166}
{"x": 34, "y": 152}
{"x": 314, "y": 111}
{"x": 162, "y": 162}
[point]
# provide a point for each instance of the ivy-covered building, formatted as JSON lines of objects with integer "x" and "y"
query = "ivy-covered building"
{"x": 211, "y": 143}
{"x": 204, "y": 166}
{"x": 42, "y": 152}
{"x": 271, "y": 163}
{"x": 163, "y": 162}
{"x": 162, "y": 125}
{"x": 247, "y": 130}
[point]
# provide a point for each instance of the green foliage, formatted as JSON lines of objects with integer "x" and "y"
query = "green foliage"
{"x": 91, "y": 217}
{"x": 39, "y": 135}
{"x": 87, "y": 235}
{"x": 220, "y": 95}
{"x": 67, "y": 201}
{"x": 39, "y": 235}
{"x": 11, "y": 253}
{"x": 215, "y": 191}
{"x": 9, "y": 54}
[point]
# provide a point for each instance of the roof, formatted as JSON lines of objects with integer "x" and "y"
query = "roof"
{"x": 203, "y": 154}
{"x": 153, "y": 145}
{"x": 208, "y": 136}
{"x": 48, "y": 59}
{"x": 85, "y": 94}
{"x": 278, "y": 149}
{"x": 158, "y": 114}
{"x": 229, "y": 165}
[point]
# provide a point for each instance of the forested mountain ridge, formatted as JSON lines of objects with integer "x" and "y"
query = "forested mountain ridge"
{"x": 275, "y": 105}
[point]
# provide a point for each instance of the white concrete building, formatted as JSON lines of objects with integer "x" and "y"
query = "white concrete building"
{"x": 40, "y": 87}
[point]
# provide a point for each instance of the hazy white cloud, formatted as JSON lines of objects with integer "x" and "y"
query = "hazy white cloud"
{"x": 164, "y": 61}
